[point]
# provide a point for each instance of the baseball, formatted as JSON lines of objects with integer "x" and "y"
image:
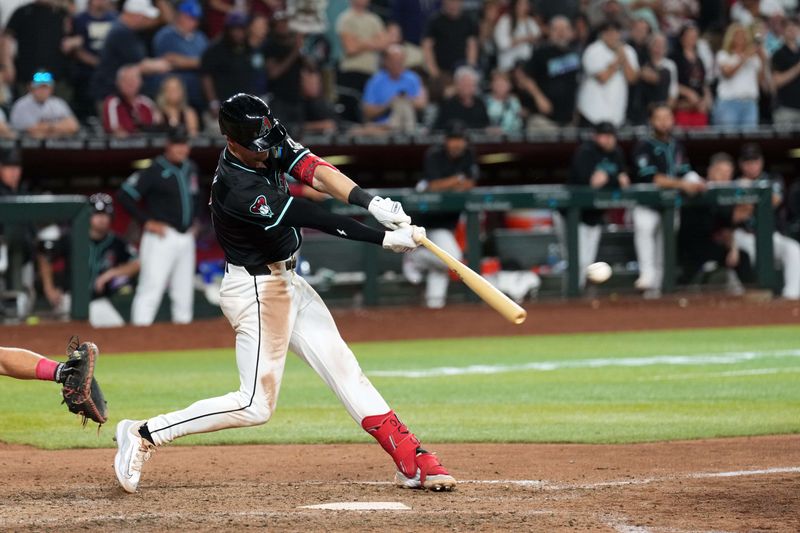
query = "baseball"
{"x": 598, "y": 272}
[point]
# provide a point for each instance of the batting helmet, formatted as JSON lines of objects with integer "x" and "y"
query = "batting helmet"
{"x": 248, "y": 120}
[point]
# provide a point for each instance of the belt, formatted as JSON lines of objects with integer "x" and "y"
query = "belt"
{"x": 265, "y": 270}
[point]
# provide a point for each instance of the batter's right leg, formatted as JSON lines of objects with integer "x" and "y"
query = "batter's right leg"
{"x": 317, "y": 341}
{"x": 261, "y": 311}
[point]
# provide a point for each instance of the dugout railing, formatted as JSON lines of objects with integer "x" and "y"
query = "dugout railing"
{"x": 572, "y": 201}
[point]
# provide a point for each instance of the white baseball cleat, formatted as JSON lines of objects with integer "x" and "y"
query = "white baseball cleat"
{"x": 132, "y": 452}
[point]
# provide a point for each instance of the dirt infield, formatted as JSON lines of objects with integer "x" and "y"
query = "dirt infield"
{"x": 740, "y": 484}
{"x": 452, "y": 322}
{"x": 719, "y": 485}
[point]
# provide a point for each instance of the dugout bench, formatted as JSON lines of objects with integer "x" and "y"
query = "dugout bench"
{"x": 572, "y": 201}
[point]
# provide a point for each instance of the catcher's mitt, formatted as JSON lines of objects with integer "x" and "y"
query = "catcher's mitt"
{"x": 81, "y": 392}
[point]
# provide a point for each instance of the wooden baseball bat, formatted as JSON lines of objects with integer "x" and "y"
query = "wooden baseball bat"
{"x": 487, "y": 292}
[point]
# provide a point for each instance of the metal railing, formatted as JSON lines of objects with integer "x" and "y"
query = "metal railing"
{"x": 571, "y": 201}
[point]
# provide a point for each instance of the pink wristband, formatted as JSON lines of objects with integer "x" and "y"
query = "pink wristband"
{"x": 46, "y": 369}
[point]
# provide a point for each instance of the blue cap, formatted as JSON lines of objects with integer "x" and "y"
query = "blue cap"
{"x": 191, "y": 8}
{"x": 42, "y": 77}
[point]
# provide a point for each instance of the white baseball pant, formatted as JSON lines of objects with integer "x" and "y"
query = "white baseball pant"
{"x": 438, "y": 275}
{"x": 167, "y": 261}
{"x": 648, "y": 239}
{"x": 272, "y": 314}
{"x": 588, "y": 243}
{"x": 786, "y": 252}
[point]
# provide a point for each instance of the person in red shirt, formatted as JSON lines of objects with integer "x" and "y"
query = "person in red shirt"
{"x": 128, "y": 111}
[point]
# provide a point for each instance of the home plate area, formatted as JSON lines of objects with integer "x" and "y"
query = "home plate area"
{"x": 734, "y": 484}
{"x": 359, "y": 506}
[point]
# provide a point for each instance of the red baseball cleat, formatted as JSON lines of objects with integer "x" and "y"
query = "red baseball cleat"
{"x": 431, "y": 475}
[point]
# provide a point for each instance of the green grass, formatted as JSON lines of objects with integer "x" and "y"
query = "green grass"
{"x": 579, "y": 404}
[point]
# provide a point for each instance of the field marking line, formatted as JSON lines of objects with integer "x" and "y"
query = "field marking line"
{"x": 535, "y": 483}
{"x": 728, "y": 374}
{"x": 621, "y": 525}
{"x": 723, "y": 358}
{"x": 549, "y": 485}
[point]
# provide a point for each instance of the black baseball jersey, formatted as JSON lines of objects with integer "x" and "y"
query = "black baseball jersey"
{"x": 587, "y": 160}
{"x": 776, "y": 183}
{"x": 653, "y": 156}
{"x": 248, "y": 204}
{"x": 104, "y": 254}
{"x": 169, "y": 193}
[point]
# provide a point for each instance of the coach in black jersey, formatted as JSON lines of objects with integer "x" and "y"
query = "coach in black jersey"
{"x": 271, "y": 308}
{"x": 167, "y": 191}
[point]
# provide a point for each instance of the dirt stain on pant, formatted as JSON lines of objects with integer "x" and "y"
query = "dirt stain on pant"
{"x": 275, "y": 310}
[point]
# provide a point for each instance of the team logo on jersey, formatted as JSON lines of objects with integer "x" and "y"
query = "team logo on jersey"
{"x": 261, "y": 207}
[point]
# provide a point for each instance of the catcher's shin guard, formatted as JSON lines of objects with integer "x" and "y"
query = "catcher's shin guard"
{"x": 396, "y": 439}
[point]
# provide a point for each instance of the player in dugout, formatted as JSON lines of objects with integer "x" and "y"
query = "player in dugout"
{"x": 599, "y": 163}
{"x": 112, "y": 266}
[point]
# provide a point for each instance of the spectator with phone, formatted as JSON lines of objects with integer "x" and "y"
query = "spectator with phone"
{"x": 741, "y": 63}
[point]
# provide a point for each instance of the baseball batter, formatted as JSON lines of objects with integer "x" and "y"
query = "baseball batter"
{"x": 272, "y": 309}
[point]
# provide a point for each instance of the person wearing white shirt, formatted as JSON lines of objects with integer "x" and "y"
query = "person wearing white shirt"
{"x": 741, "y": 69}
{"x": 515, "y": 34}
{"x": 609, "y": 65}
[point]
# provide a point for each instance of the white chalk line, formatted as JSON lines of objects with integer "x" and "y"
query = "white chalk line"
{"x": 549, "y": 485}
{"x": 644, "y": 481}
{"x": 725, "y": 358}
{"x": 728, "y": 374}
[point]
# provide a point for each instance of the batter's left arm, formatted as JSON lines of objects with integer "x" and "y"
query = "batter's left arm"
{"x": 326, "y": 178}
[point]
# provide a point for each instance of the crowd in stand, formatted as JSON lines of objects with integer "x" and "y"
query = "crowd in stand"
{"x": 133, "y": 66}
{"x": 139, "y": 66}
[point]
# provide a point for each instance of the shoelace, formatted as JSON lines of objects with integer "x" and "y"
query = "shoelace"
{"x": 141, "y": 456}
